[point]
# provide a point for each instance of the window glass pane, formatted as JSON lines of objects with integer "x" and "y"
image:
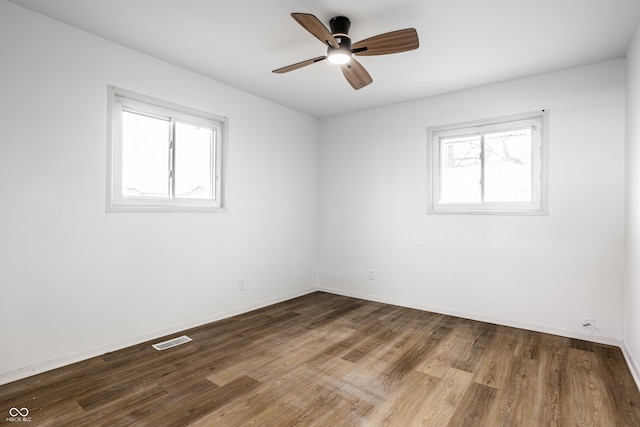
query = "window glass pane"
{"x": 508, "y": 166}
{"x": 145, "y": 156}
{"x": 460, "y": 170}
{"x": 193, "y": 162}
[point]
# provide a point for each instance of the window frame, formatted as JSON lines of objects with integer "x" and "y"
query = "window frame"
{"x": 539, "y": 205}
{"x": 120, "y": 100}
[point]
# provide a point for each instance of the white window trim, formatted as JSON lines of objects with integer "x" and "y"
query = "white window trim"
{"x": 540, "y": 204}
{"x": 119, "y": 98}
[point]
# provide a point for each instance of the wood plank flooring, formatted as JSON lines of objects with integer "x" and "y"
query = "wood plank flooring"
{"x": 328, "y": 360}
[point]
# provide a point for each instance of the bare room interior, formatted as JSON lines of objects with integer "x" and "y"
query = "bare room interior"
{"x": 440, "y": 228}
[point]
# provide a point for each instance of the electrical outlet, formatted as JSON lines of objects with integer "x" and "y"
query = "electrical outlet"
{"x": 372, "y": 275}
{"x": 241, "y": 285}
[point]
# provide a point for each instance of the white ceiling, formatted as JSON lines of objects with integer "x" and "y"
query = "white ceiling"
{"x": 463, "y": 43}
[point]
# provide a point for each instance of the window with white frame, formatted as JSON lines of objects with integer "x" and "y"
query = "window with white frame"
{"x": 490, "y": 166}
{"x": 163, "y": 157}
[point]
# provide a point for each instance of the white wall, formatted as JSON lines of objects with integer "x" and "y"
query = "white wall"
{"x": 631, "y": 290}
{"x": 76, "y": 281}
{"x": 540, "y": 272}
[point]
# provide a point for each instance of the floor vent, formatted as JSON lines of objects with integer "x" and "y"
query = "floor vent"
{"x": 172, "y": 343}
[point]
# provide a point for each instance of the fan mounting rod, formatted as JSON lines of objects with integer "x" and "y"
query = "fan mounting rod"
{"x": 340, "y": 26}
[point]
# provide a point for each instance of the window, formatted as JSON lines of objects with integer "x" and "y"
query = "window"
{"x": 493, "y": 166}
{"x": 163, "y": 157}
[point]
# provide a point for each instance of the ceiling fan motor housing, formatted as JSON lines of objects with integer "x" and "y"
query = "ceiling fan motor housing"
{"x": 340, "y": 30}
{"x": 340, "y": 25}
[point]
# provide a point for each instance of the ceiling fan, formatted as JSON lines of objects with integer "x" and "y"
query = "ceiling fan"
{"x": 340, "y": 51}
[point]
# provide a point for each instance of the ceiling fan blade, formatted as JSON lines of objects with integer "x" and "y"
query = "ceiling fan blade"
{"x": 383, "y": 44}
{"x": 298, "y": 65}
{"x": 316, "y": 28}
{"x": 356, "y": 74}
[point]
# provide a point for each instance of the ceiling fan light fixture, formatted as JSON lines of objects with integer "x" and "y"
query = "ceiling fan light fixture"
{"x": 339, "y": 57}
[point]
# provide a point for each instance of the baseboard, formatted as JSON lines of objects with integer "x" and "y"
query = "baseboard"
{"x": 28, "y": 371}
{"x": 18, "y": 374}
{"x": 474, "y": 316}
{"x": 632, "y": 363}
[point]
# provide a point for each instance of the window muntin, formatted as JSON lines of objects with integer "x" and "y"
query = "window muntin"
{"x": 163, "y": 157}
{"x": 493, "y": 166}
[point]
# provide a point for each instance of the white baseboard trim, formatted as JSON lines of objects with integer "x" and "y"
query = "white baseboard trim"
{"x": 18, "y": 374}
{"x": 28, "y": 371}
{"x": 601, "y": 339}
{"x": 632, "y": 363}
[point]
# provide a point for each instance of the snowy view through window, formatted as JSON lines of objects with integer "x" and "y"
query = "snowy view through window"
{"x": 147, "y": 162}
{"x": 494, "y": 167}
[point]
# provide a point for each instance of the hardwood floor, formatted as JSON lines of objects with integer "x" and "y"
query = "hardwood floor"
{"x": 328, "y": 360}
